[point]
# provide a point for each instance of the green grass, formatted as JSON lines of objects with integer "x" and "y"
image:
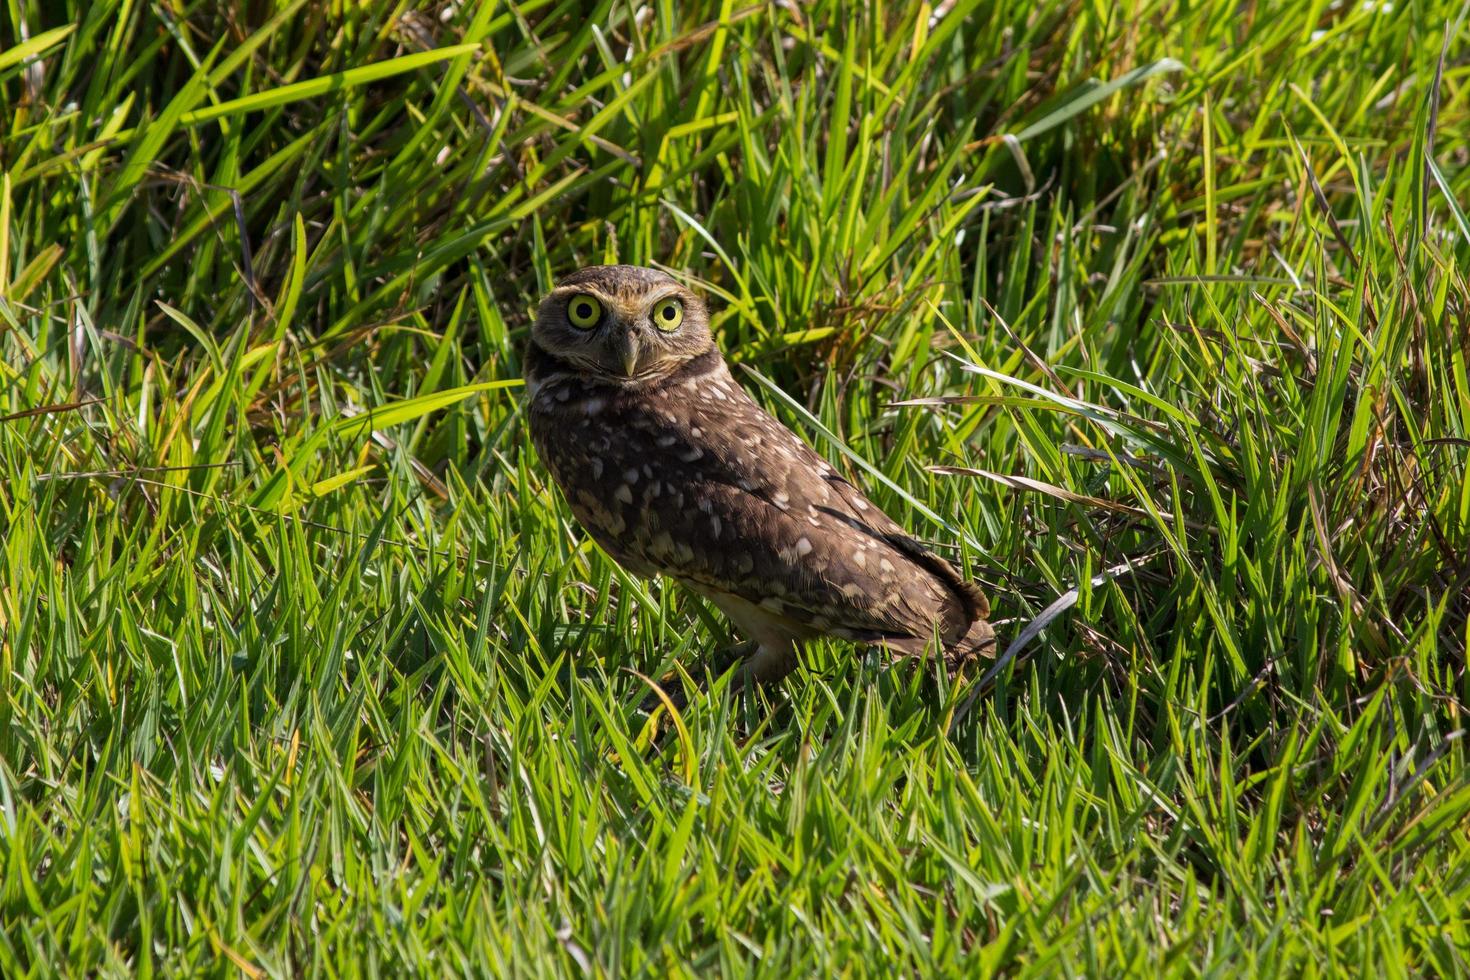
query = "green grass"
{"x": 1164, "y": 302}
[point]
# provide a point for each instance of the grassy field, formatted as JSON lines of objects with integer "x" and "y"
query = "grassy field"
{"x": 1159, "y": 307}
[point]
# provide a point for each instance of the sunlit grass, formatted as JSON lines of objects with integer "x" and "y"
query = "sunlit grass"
{"x": 305, "y": 668}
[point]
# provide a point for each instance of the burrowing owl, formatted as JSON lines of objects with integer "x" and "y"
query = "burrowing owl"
{"x": 674, "y": 470}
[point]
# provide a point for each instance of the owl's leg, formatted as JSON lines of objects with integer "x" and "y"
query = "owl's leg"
{"x": 774, "y": 637}
{"x": 768, "y": 656}
{"x": 762, "y": 661}
{"x": 773, "y": 659}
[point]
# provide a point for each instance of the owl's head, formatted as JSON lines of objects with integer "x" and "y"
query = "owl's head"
{"x": 623, "y": 324}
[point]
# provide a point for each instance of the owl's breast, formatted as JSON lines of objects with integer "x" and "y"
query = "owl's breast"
{"x": 621, "y": 464}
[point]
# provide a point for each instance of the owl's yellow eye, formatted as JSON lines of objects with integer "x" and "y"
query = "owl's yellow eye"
{"x": 668, "y": 314}
{"x": 584, "y": 311}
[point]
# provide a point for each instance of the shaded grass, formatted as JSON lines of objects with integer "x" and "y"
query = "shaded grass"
{"x": 304, "y": 665}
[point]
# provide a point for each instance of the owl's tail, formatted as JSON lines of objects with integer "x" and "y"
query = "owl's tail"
{"x": 972, "y": 635}
{"x": 976, "y": 641}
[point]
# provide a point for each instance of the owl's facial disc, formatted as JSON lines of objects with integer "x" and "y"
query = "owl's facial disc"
{"x": 622, "y": 325}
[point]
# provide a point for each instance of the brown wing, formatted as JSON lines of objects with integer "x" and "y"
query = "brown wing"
{"x": 696, "y": 481}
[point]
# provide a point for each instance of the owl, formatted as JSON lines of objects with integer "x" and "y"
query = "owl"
{"x": 674, "y": 470}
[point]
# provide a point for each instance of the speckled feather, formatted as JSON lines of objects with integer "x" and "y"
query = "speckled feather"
{"x": 685, "y": 475}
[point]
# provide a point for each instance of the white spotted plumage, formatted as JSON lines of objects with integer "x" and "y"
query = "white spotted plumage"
{"x": 668, "y": 463}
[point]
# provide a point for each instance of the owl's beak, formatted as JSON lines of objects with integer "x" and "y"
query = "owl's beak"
{"x": 625, "y": 345}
